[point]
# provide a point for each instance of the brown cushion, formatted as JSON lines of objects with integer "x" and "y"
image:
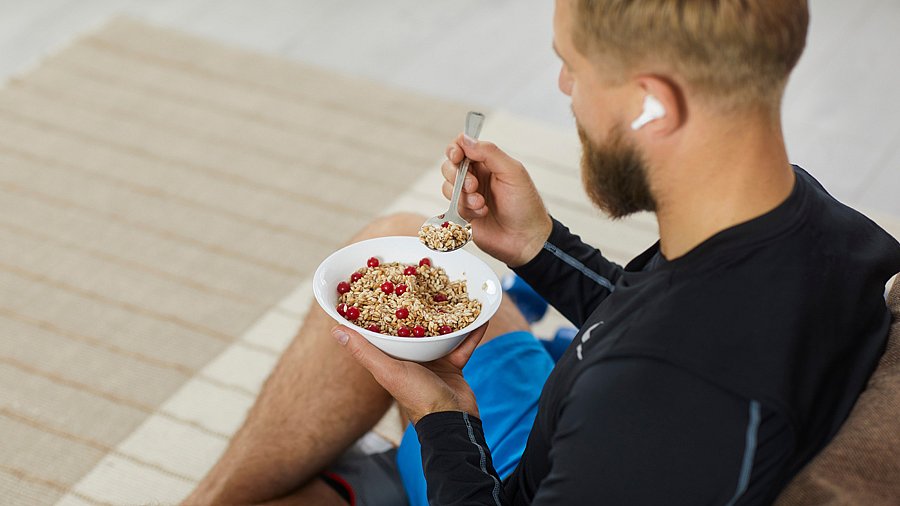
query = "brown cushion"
{"x": 862, "y": 464}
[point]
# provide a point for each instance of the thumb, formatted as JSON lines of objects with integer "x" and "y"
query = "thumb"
{"x": 382, "y": 367}
{"x": 492, "y": 157}
{"x": 460, "y": 356}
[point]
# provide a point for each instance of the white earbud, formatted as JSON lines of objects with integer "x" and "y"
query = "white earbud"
{"x": 653, "y": 110}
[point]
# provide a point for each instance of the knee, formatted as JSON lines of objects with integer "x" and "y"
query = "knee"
{"x": 402, "y": 223}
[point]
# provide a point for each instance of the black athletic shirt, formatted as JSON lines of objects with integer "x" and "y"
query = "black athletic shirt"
{"x": 709, "y": 379}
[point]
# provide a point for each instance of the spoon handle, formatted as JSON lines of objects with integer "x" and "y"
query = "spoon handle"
{"x": 474, "y": 120}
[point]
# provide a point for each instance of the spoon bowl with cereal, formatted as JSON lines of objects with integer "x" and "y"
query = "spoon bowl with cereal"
{"x": 449, "y": 231}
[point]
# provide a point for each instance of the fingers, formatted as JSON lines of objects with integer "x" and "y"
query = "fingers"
{"x": 494, "y": 158}
{"x": 471, "y": 205}
{"x": 471, "y": 201}
{"x": 419, "y": 389}
{"x": 449, "y": 170}
{"x": 384, "y": 369}
{"x": 454, "y": 153}
{"x": 460, "y": 356}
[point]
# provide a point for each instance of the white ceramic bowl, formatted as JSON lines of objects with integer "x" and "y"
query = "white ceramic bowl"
{"x": 481, "y": 282}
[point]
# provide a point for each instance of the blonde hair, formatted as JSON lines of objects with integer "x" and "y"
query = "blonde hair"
{"x": 735, "y": 52}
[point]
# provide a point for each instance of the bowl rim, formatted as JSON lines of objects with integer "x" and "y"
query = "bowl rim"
{"x": 331, "y": 311}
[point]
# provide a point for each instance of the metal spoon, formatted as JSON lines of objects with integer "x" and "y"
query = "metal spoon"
{"x": 474, "y": 120}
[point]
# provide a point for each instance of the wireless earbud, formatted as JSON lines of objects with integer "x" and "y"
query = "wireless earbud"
{"x": 653, "y": 110}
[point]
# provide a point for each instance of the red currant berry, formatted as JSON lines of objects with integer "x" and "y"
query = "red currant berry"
{"x": 440, "y": 297}
{"x": 387, "y": 287}
{"x": 424, "y": 261}
{"x": 403, "y": 331}
{"x": 352, "y": 313}
{"x": 374, "y": 328}
{"x": 342, "y": 309}
{"x": 401, "y": 289}
{"x": 402, "y": 313}
{"x": 445, "y": 329}
{"x": 343, "y": 287}
{"x": 419, "y": 331}
{"x": 445, "y": 224}
{"x": 409, "y": 271}
{"x": 355, "y": 277}
{"x": 373, "y": 262}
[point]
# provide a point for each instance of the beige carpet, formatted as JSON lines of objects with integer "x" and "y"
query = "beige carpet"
{"x": 163, "y": 201}
{"x": 159, "y": 194}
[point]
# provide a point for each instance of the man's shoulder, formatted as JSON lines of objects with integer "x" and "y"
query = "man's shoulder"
{"x": 838, "y": 225}
{"x": 820, "y": 245}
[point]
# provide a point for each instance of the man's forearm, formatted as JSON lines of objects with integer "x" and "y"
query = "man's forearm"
{"x": 457, "y": 461}
{"x": 573, "y": 276}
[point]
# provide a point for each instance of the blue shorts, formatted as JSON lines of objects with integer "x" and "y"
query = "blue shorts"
{"x": 507, "y": 375}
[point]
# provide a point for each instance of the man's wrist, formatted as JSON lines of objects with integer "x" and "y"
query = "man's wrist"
{"x": 415, "y": 417}
{"x": 451, "y": 414}
{"x": 533, "y": 247}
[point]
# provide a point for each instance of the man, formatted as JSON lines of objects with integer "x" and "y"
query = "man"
{"x": 708, "y": 370}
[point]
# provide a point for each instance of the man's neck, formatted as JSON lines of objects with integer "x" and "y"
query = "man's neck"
{"x": 722, "y": 177}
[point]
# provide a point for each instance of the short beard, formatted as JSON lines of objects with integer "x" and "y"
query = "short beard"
{"x": 615, "y": 175}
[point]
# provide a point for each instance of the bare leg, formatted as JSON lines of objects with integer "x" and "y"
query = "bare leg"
{"x": 314, "y": 405}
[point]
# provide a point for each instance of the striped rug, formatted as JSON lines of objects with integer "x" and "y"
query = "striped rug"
{"x": 163, "y": 202}
{"x": 160, "y": 195}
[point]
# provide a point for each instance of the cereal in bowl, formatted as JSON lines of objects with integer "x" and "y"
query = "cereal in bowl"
{"x": 406, "y": 300}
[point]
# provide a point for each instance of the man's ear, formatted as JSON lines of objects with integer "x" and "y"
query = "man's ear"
{"x": 659, "y": 104}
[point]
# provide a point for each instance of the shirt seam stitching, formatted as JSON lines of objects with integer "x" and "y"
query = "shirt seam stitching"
{"x": 483, "y": 460}
{"x": 749, "y": 452}
{"x": 580, "y": 267}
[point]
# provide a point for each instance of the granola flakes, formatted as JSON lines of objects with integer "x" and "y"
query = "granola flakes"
{"x": 448, "y": 237}
{"x": 406, "y": 300}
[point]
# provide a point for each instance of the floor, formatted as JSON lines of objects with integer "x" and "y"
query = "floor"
{"x": 840, "y": 111}
{"x": 839, "y": 123}
{"x": 152, "y": 263}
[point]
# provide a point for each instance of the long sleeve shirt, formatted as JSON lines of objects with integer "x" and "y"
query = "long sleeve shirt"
{"x": 709, "y": 379}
